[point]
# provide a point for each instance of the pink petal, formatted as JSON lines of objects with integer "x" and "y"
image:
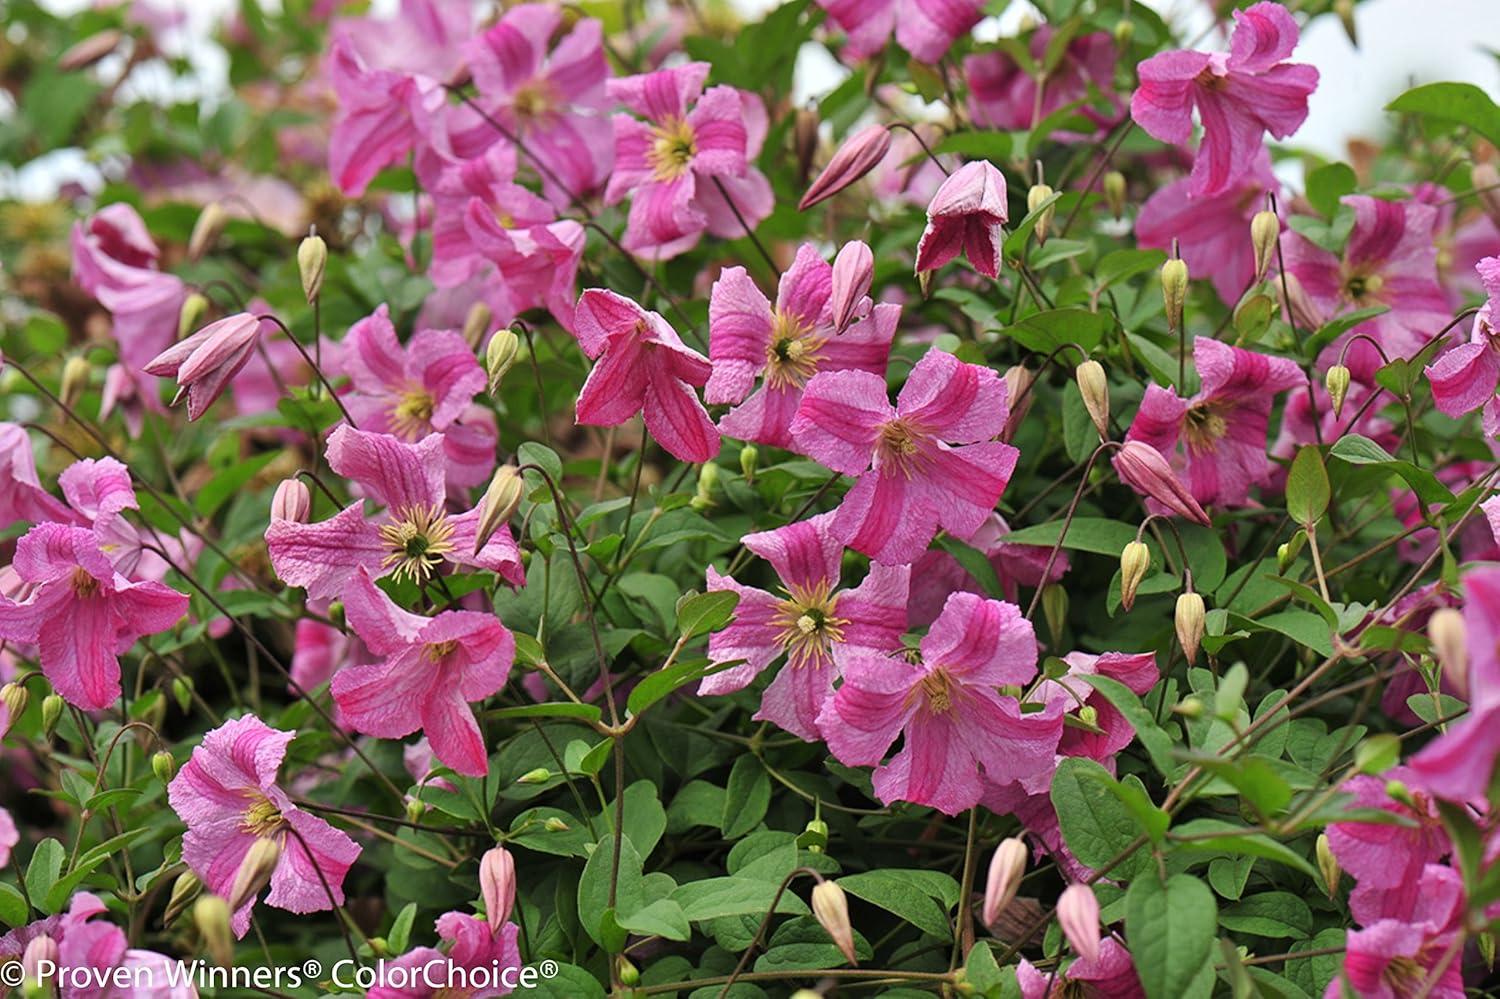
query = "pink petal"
{"x": 984, "y": 641}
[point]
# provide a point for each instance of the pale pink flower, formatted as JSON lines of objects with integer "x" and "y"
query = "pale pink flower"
{"x": 1137, "y": 671}
{"x": 9, "y": 837}
{"x": 1395, "y": 958}
{"x": 857, "y": 156}
{"x": 115, "y": 260}
{"x": 381, "y": 116}
{"x": 965, "y": 216}
{"x": 204, "y": 363}
{"x": 1003, "y": 94}
{"x": 1383, "y": 856}
{"x": 424, "y": 37}
{"x": 1142, "y": 468}
{"x": 1110, "y": 975}
{"x": 925, "y": 28}
{"x": 21, "y": 494}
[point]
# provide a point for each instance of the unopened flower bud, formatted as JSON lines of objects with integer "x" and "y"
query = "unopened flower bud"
{"x": 1124, "y": 32}
{"x": 1078, "y": 915}
{"x": 1397, "y": 791}
{"x": 476, "y": 321}
{"x": 501, "y": 499}
{"x": 1265, "y": 230}
{"x": 749, "y": 456}
{"x": 1485, "y": 943}
{"x": 90, "y": 50}
{"x": 1337, "y": 383}
{"x": 1055, "y": 611}
{"x": 924, "y": 284}
{"x": 807, "y": 994}
{"x": 1189, "y": 707}
{"x": 708, "y": 479}
{"x": 182, "y": 692}
{"x": 539, "y": 775}
{"x": 1189, "y": 623}
{"x": 629, "y": 974}
{"x": 52, "y": 709}
{"x": 1450, "y": 647}
{"x": 1004, "y": 879}
{"x": 831, "y": 908}
{"x": 1089, "y": 716}
{"x": 497, "y": 886}
{"x": 379, "y": 946}
{"x": 40, "y": 954}
{"x": 1344, "y": 9}
{"x": 500, "y": 356}
{"x": 211, "y": 917}
{"x": 15, "y": 698}
{"x": 185, "y": 889}
{"x": 1174, "y": 284}
{"x": 1485, "y": 179}
{"x": 1304, "y": 311}
{"x": 1035, "y": 197}
{"x": 255, "y": 871}
{"x": 805, "y": 141}
{"x": 1328, "y": 865}
{"x": 1018, "y": 379}
{"x": 194, "y": 308}
{"x": 1093, "y": 385}
{"x": 164, "y": 766}
{"x": 856, "y": 157}
{"x": 853, "y": 270}
{"x": 814, "y": 837}
{"x": 415, "y": 809}
{"x": 1114, "y": 187}
{"x": 75, "y": 380}
{"x": 555, "y": 824}
{"x": 291, "y": 501}
{"x": 312, "y": 260}
{"x": 1135, "y": 562}
{"x": 206, "y": 230}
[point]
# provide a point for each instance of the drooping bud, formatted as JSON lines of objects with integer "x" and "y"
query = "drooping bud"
{"x": 182, "y": 691}
{"x": 1114, "y": 186}
{"x": 476, "y": 321}
{"x": 1189, "y": 621}
{"x": 1143, "y": 468}
{"x": 1450, "y": 647}
{"x": 90, "y": 50}
{"x": 312, "y": 260}
{"x": 501, "y": 499}
{"x": 1035, "y": 197}
{"x": 1265, "y": 230}
{"x": 1018, "y": 379}
{"x": 1191, "y": 706}
{"x": 1088, "y": 716}
{"x": 75, "y": 380}
{"x": 1124, "y": 32}
{"x": 1287, "y": 553}
{"x": 805, "y": 141}
{"x": 1337, "y": 383}
{"x": 164, "y": 766}
{"x": 291, "y": 501}
{"x": 1135, "y": 562}
{"x": 853, "y": 270}
{"x": 629, "y": 974}
{"x": 538, "y": 775}
{"x": 856, "y": 157}
{"x": 40, "y": 954}
{"x": 708, "y": 480}
{"x": 1055, "y": 611}
{"x": 831, "y": 908}
{"x": 52, "y": 709}
{"x": 1093, "y": 385}
{"x": 1485, "y": 179}
{"x": 194, "y": 308}
{"x": 749, "y": 456}
{"x": 255, "y": 871}
{"x": 1078, "y": 915}
{"x": 1344, "y": 9}
{"x": 415, "y": 809}
{"x": 497, "y": 886}
{"x": 206, "y": 230}
{"x": 1328, "y": 865}
{"x": 1304, "y": 311}
{"x": 15, "y": 698}
{"x": 1004, "y": 879}
{"x": 1174, "y": 284}
{"x": 500, "y": 356}
{"x": 211, "y": 917}
{"x": 185, "y": 889}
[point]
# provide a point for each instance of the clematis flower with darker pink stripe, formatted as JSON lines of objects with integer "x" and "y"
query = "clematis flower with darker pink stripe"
{"x": 1399, "y": 956}
{"x": 642, "y": 366}
{"x": 955, "y": 725}
{"x": 382, "y": 114}
{"x": 228, "y": 797}
{"x": 928, "y": 462}
{"x": 1218, "y": 437}
{"x": 428, "y": 672}
{"x": 1110, "y": 974}
{"x": 813, "y": 623}
{"x": 1006, "y": 95}
{"x": 1240, "y": 95}
{"x": 205, "y": 363}
{"x": 470, "y": 946}
{"x": 965, "y": 217}
{"x": 785, "y": 345}
{"x": 21, "y": 494}
{"x": 411, "y": 536}
{"x": 1466, "y": 376}
{"x": 936, "y": 573}
{"x": 925, "y": 28}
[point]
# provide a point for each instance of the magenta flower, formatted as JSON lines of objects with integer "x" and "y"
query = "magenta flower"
{"x": 115, "y": 260}
{"x": 381, "y": 115}
{"x": 1135, "y": 670}
{"x": 925, "y": 28}
{"x": 471, "y": 947}
{"x": 227, "y": 796}
{"x": 674, "y": 162}
{"x": 965, "y": 216}
{"x": 21, "y": 494}
{"x": 936, "y": 573}
{"x": 1390, "y": 260}
{"x": 1466, "y": 376}
{"x": 955, "y": 723}
{"x": 429, "y": 671}
{"x": 1004, "y": 95}
{"x": 816, "y": 625}
{"x": 204, "y": 363}
{"x": 1394, "y": 958}
{"x": 1222, "y": 429}
{"x": 411, "y": 537}
{"x": 81, "y": 613}
{"x": 786, "y": 345}
{"x": 537, "y": 265}
{"x": 1212, "y": 231}
{"x": 856, "y": 156}
{"x": 9, "y": 836}
{"x": 642, "y": 366}
{"x": 1379, "y": 855}
{"x": 1109, "y": 975}
{"x": 423, "y": 37}
{"x": 925, "y": 463}
{"x": 1240, "y": 95}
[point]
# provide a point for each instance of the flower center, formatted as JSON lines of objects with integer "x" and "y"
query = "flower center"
{"x": 418, "y": 538}
{"x": 806, "y": 623}
{"x": 900, "y": 446}
{"x": 1404, "y": 975}
{"x": 673, "y": 147}
{"x": 1358, "y": 287}
{"x": 411, "y": 416}
{"x": 534, "y": 100}
{"x": 84, "y": 585}
{"x": 436, "y": 652}
{"x": 794, "y": 353}
{"x": 261, "y": 818}
{"x": 937, "y": 688}
{"x": 1204, "y": 426}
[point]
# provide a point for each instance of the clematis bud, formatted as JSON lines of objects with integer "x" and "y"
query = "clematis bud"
{"x": 1093, "y": 385}
{"x": 312, "y": 260}
{"x": 1006, "y": 868}
{"x": 1018, "y": 379}
{"x": 853, "y": 270}
{"x": 415, "y": 809}
{"x": 1345, "y": 11}
{"x": 1450, "y": 646}
{"x": 182, "y": 691}
{"x": 1135, "y": 562}
{"x": 185, "y": 889}
{"x": 255, "y": 871}
{"x": 805, "y": 141}
{"x": 814, "y": 838}
{"x": 1485, "y": 180}
{"x": 629, "y": 974}
{"x": 500, "y": 355}
{"x": 1188, "y": 621}
{"x": 501, "y": 498}
{"x": 1038, "y": 194}
{"x": 966, "y": 215}
{"x": 41, "y": 953}
{"x": 1189, "y": 707}
{"x": 1265, "y": 230}
{"x": 211, "y": 917}
{"x": 1055, "y": 611}
{"x": 497, "y": 885}
{"x": 749, "y": 455}
{"x": 555, "y": 824}
{"x": 708, "y": 480}
{"x": 1124, "y": 32}
{"x": 1304, "y": 310}
{"x": 194, "y": 308}
{"x": 538, "y": 775}
{"x": 291, "y": 501}
{"x": 204, "y": 363}
{"x": 856, "y": 157}
{"x": 75, "y": 381}
{"x": 831, "y": 908}
{"x": 1174, "y": 283}
{"x": 476, "y": 321}
{"x": 1088, "y": 715}
{"x": 1328, "y": 865}
{"x": 1143, "y": 468}
{"x": 1337, "y": 383}
{"x": 1114, "y": 188}
{"x": 52, "y": 709}
{"x": 14, "y": 697}
{"x": 206, "y": 230}
{"x": 90, "y": 50}
{"x": 1078, "y": 915}
{"x": 164, "y": 766}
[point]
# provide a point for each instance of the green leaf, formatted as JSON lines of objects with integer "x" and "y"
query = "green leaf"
{"x": 1171, "y": 928}
{"x": 1237, "y": 841}
{"x": 1087, "y": 534}
{"x": 1016, "y": 241}
{"x": 665, "y": 682}
{"x": 1096, "y": 824}
{"x": 569, "y": 982}
{"x": 922, "y": 898}
{"x": 14, "y": 911}
{"x": 43, "y": 871}
{"x": 599, "y": 920}
{"x": 1335, "y": 328}
{"x": 542, "y": 456}
{"x": 986, "y": 145}
{"x": 662, "y": 918}
{"x": 715, "y": 898}
{"x": 975, "y": 562}
{"x": 1460, "y": 103}
{"x": 746, "y": 797}
{"x": 706, "y": 612}
{"x": 225, "y": 482}
{"x": 555, "y": 709}
{"x": 1357, "y": 450}
{"x": 1157, "y": 742}
{"x": 1307, "y": 489}
{"x": 1327, "y": 184}
{"x": 1270, "y": 914}
{"x": 1047, "y": 331}
{"x": 400, "y": 933}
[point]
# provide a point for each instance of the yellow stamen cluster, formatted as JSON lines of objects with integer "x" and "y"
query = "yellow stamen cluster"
{"x": 418, "y": 538}
{"x": 436, "y": 652}
{"x": 808, "y": 623}
{"x": 1204, "y": 426}
{"x": 899, "y": 446}
{"x": 261, "y": 818}
{"x": 937, "y": 686}
{"x": 534, "y": 101}
{"x": 412, "y": 413}
{"x": 794, "y": 353}
{"x": 1360, "y": 287}
{"x": 84, "y": 585}
{"x": 673, "y": 147}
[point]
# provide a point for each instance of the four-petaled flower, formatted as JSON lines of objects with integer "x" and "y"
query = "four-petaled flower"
{"x": 965, "y": 216}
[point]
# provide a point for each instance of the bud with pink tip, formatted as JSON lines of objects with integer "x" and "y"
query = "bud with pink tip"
{"x": 1078, "y": 914}
{"x": 1006, "y": 868}
{"x": 291, "y": 501}
{"x": 831, "y": 908}
{"x": 965, "y": 216}
{"x": 1143, "y": 468}
{"x": 853, "y": 270}
{"x": 855, "y": 158}
{"x": 40, "y": 951}
{"x": 497, "y": 884}
{"x": 204, "y": 363}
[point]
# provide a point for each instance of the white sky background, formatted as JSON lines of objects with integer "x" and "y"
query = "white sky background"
{"x": 1401, "y": 42}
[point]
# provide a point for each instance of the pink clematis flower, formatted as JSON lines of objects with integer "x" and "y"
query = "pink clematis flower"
{"x": 935, "y": 574}
{"x": 21, "y": 494}
{"x": 692, "y": 143}
{"x": 423, "y": 37}
{"x": 955, "y": 724}
{"x": 472, "y": 947}
{"x": 1142, "y": 468}
{"x": 1388, "y": 857}
{"x": 115, "y": 260}
{"x": 380, "y": 118}
{"x": 1240, "y": 95}
{"x": 1072, "y": 690}
{"x": 429, "y": 671}
{"x": 204, "y": 363}
{"x": 1395, "y": 958}
{"x": 81, "y": 613}
{"x": 1212, "y": 231}
{"x": 815, "y": 624}
{"x": 1466, "y": 376}
{"x": 227, "y": 796}
{"x": 1389, "y": 261}
{"x": 642, "y": 366}
{"x": 786, "y": 345}
{"x": 1222, "y": 429}
{"x": 965, "y": 216}
{"x": 412, "y": 536}
{"x": 9, "y": 836}
{"x": 1006, "y": 95}
{"x": 1110, "y": 974}
{"x": 927, "y": 462}
{"x": 925, "y": 28}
